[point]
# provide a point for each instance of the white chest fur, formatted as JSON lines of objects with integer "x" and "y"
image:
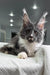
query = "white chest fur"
{"x": 29, "y": 46}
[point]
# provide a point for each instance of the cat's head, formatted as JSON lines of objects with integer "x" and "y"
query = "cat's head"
{"x": 33, "y": 32}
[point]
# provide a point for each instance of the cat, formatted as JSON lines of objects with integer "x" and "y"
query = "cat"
{"x": 29, "y": 38}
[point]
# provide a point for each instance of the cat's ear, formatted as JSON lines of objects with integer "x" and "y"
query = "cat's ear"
{"x": 42, "y": 21}
{"x": 26, "y": 19}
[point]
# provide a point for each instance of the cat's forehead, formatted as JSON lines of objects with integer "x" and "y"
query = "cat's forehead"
{"x": 29, "y": 26}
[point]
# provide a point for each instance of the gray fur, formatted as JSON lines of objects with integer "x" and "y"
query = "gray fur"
{"x": 30, "y": 38}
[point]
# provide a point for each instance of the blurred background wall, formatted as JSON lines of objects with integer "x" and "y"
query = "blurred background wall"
{"x": 11, "y": 16}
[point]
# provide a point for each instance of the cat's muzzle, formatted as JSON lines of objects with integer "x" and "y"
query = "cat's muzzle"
{"x": 31, "y": 39}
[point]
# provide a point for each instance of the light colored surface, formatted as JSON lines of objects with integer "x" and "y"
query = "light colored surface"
{"x": 11, "y": 65}
{"x": 2, "y": 44}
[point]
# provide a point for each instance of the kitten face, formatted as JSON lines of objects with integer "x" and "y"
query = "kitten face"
{"x": 32, "y": 32}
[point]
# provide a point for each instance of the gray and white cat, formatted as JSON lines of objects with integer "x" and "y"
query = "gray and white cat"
{"x": 29, "y": 39}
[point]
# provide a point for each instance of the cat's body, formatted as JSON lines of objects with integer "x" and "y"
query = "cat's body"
{"x": 28, "y": 40}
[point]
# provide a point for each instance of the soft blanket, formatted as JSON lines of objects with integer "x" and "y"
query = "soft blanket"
{"x": 37, "y": 65}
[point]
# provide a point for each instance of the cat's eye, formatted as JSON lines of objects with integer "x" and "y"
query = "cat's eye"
{"x": 35, "y": 32}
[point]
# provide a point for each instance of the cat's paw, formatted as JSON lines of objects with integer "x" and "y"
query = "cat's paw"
{"x": 22, "y": 55}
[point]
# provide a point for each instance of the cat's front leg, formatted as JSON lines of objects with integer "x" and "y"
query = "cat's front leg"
{"x": 23, "y": 54}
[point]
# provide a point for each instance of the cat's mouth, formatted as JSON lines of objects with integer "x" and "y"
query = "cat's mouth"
{"x": 30, "y": 39}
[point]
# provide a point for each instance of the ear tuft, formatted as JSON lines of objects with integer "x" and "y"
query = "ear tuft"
{"x": 45, "y": 14}
{"x": 26, "y": 19}
{"x": 42, "y": 21}
{"x": 24, "y": 11}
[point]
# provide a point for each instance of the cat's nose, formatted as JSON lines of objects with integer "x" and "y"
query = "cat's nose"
{"x": 31, "y": 35}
